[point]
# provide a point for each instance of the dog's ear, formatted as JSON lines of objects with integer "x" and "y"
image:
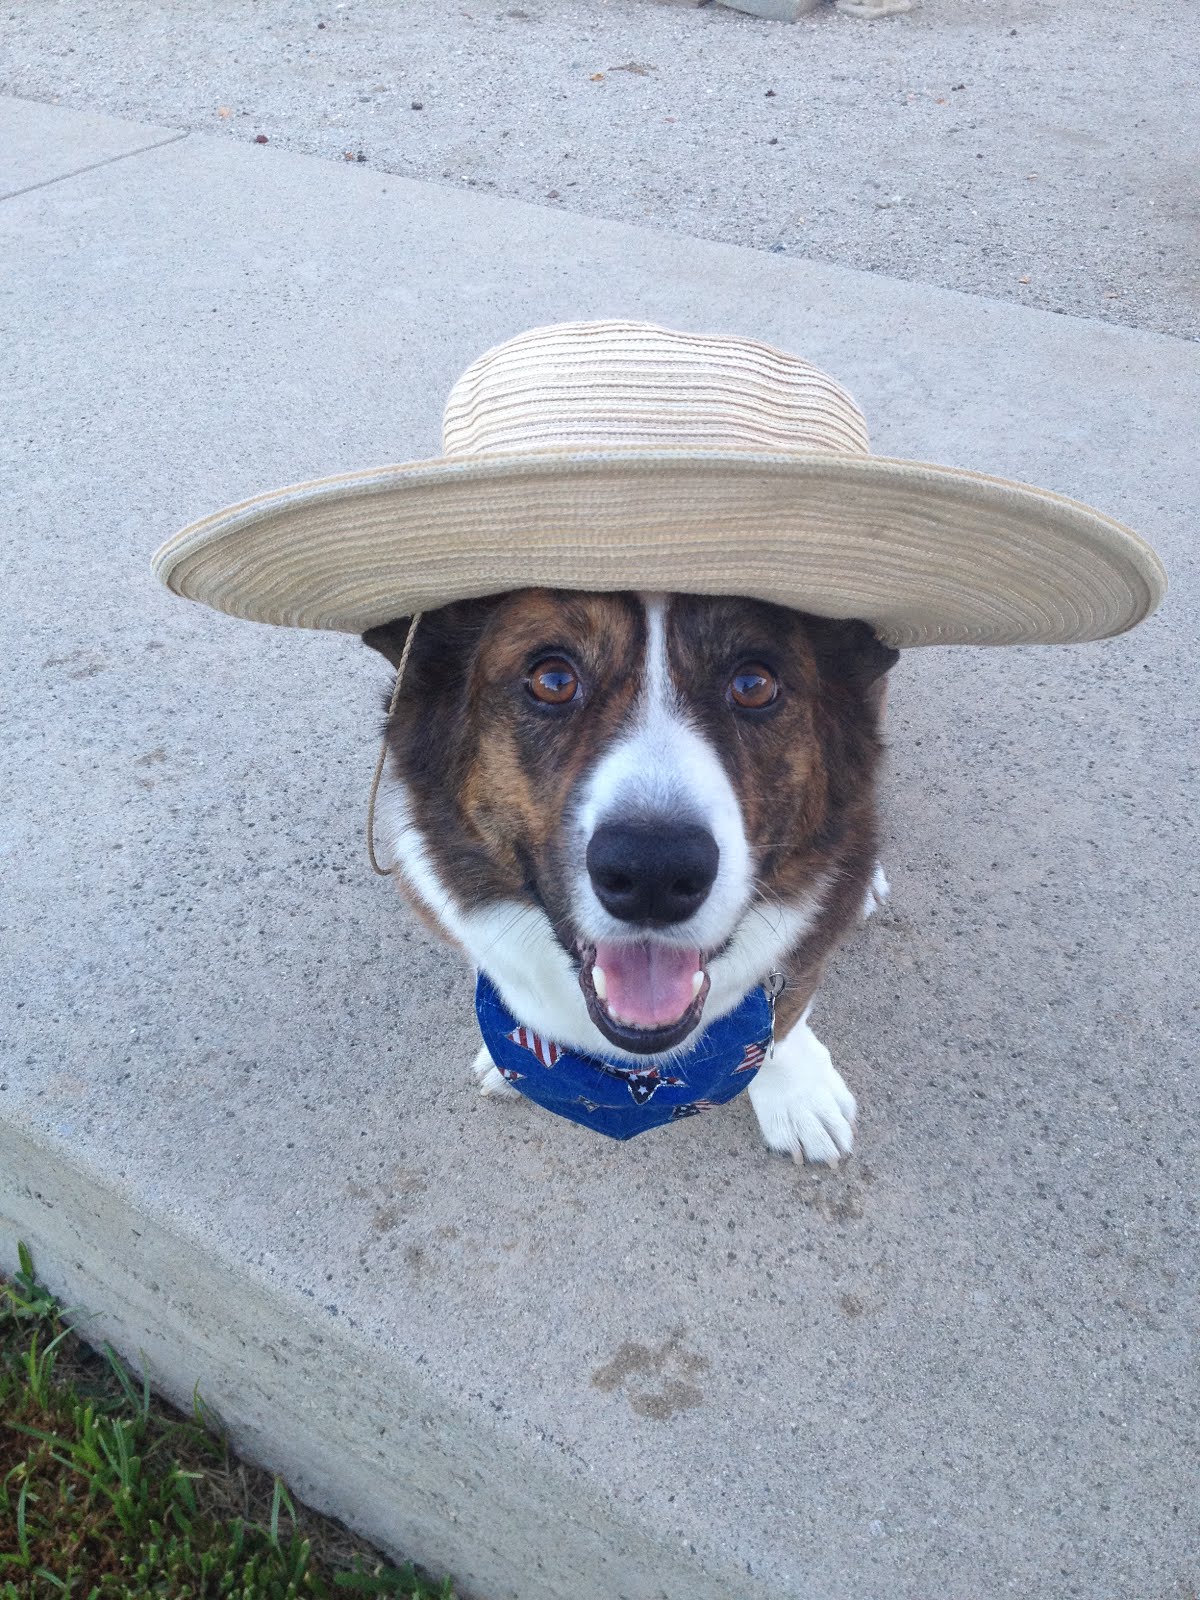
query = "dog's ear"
{"x": 389, "y": 639}
{"x": 850, "y": 652}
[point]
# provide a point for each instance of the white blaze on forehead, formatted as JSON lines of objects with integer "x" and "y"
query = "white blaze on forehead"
{"x": 656, "y": 670}
{"x": 663, "y": 769}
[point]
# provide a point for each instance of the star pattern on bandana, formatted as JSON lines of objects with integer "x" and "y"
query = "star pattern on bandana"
{"x": 642, "y": 1083}
{"x": 693, "y": 1109}
{"x": 545, "y": 1050}
{"x": 753, "y": 1056}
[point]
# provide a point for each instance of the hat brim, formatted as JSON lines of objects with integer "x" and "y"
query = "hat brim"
{"x": 926, "y": 554}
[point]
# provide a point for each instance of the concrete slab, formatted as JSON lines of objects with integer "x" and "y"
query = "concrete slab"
{"x": 1031, "y": 152}
{"x": 36, "y": 148}
{"x": 235, "y": 1117}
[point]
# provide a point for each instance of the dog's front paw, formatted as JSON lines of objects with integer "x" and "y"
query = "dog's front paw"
{"x": 803, "y": 1107}
{"x": 491, "y": 1080}
{"x": 879, "y": 892}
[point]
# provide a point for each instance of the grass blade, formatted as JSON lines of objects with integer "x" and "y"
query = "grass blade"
{"x": 278, "y": 1499}
{"x": 22, "y": 1534}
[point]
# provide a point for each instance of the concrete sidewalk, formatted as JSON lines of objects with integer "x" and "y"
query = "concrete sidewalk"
{"x": 1043, "y": 154}
{"x": 235, "y": 1117}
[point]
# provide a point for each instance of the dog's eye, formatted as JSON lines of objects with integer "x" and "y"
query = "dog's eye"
{"x": 752, "y": 687}
{"x": 553, "y": 682}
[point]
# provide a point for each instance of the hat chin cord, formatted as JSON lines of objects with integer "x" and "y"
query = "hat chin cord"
{"x": 387, "y": 872}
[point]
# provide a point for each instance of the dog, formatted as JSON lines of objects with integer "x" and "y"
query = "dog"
{"x": 630, "y": 810}
{"x": 639, "y": 813}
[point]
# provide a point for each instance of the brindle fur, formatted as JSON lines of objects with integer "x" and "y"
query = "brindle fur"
{"x": 804, "y": 769}
{"x": 490, "y": 773}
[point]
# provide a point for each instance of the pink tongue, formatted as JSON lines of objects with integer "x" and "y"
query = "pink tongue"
{"x": 649, "y": 985}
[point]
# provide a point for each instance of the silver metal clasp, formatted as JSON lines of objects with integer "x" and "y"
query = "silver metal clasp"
{"x": 775, "y": 985}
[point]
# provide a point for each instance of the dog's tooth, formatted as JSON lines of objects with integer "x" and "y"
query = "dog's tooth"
{"x": 697, "y": 983}
{"x": 600, "y": 983}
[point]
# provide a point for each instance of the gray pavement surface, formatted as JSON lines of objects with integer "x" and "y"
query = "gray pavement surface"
{"x": 236, "y": 1120}
{"x": 1046, "y": 154}
{"x": 32, "y": 152}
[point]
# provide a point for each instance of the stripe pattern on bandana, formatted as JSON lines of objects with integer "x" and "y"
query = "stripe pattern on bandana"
{"x": 619, "y": 1098}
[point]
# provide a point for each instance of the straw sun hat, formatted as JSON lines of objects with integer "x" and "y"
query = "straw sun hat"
{"x": 617, "y": 455}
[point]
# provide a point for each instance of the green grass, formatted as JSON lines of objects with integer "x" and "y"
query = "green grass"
{"x": 109, "y": 1494}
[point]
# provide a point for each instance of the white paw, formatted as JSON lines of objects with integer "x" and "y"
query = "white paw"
{"x": 803, "y": 1107}
{"x": 879, "y": 892}
{"x": 491, "y": 1080}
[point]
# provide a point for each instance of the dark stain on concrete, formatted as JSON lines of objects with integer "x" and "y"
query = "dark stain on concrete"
{"x": 654, "y": 1378}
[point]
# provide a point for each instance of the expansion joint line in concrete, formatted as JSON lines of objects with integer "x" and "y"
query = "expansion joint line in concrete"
{"x": 92, "y": 166}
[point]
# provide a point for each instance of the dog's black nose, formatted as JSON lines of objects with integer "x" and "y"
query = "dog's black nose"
{"x": 650, "y": 872}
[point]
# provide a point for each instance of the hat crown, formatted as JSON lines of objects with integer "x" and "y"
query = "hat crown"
{"x": 631, "y": 385}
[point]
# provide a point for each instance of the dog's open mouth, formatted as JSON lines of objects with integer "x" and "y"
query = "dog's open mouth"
{"x": 643, "y": 997}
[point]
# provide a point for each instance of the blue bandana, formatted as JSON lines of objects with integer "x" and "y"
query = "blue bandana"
{"x": 620, "y": 1098}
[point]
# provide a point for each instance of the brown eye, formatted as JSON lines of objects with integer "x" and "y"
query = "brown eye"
{"x": 553, "y": 682}
{"x": 752, "y": 687}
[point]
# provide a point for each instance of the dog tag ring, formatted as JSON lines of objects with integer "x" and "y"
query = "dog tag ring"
{"x": 775, "y": 985}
